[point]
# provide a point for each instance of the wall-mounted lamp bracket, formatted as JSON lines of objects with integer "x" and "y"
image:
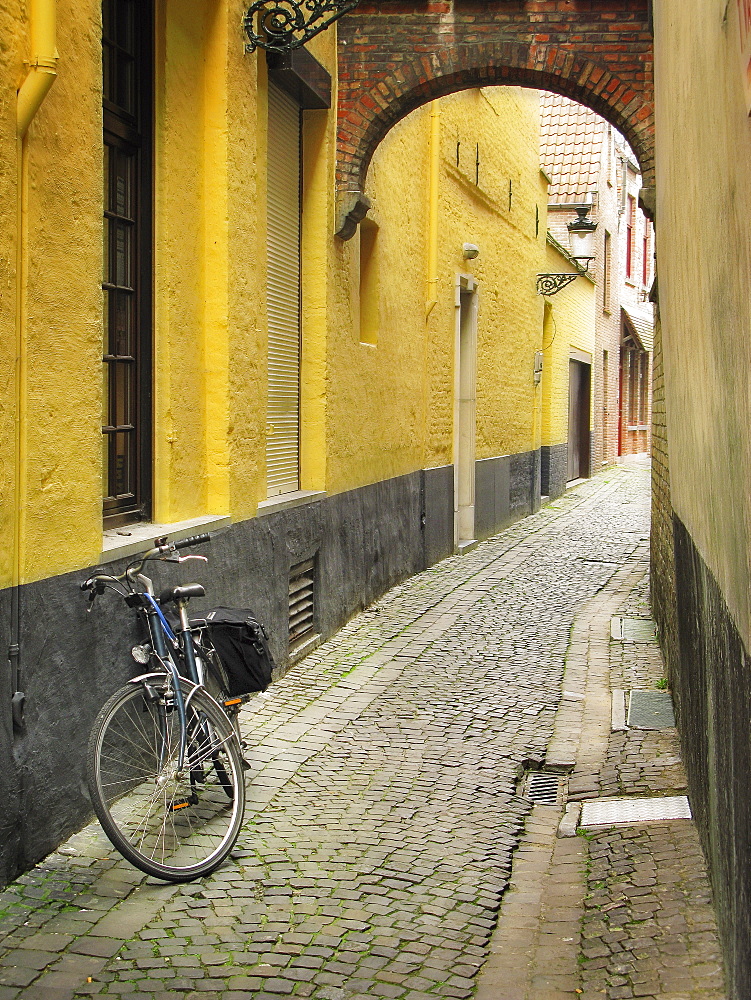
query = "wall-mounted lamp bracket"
{"x": 281, "y": 25}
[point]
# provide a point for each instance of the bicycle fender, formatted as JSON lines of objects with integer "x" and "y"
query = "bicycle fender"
{"x": 206, "y": 693}
{"x": 159, "y": 675}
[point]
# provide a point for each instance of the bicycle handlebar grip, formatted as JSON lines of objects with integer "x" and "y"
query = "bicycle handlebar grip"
{"x": 87, "y": 584}
{"x": 185, "y": 543}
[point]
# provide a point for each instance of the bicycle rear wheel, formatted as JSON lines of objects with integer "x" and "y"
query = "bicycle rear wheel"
{"x": 174, "y": 823}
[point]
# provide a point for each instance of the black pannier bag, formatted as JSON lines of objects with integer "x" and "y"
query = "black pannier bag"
{"x": 242, "y": 644}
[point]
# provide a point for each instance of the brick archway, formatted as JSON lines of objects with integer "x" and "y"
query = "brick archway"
{"x": 397, "y": 56}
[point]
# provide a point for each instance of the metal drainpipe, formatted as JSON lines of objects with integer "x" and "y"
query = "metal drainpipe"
{"x": 42, "y": 74}
{"x": 434, "y": 151}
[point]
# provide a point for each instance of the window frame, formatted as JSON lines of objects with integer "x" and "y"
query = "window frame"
{"x": 129, "y": 131}
{"x": 607, "y": 271}
{"x": 630, "y": 229}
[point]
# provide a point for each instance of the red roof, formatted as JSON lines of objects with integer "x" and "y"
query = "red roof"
{"x": 573, "y": 143}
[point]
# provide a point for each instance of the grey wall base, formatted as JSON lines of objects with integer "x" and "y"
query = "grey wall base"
{"x": 554, "y": 459}
{"x": 365, "y": 541}
{"x": 712, "y": 695}
{"x": 506, "y": 488}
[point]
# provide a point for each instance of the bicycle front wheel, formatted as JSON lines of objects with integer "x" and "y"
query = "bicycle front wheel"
{"x": 176, "y": 823}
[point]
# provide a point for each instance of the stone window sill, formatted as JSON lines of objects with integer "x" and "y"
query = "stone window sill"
{"x": 130, "y": 539}
{"x": 286, "y": 500}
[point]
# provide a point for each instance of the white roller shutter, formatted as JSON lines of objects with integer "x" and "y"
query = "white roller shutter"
{"x": 283, "y": 294}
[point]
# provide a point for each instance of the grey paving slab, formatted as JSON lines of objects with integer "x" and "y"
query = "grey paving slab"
{"x": 650, "y": 710}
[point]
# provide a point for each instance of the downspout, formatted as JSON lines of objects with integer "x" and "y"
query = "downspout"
{"x": 434, "y": 150}
{"x": 42, "y": 65}
{"x": 431, "y": 291}
{"x": 33, "y": 90}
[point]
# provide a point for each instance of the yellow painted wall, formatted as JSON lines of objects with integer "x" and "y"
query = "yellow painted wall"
{"x": 320, "y": 263}
{"x": 11, "y": 73}
{"x": 370, "y": 411}
{"x": 504, "y": 123}
{"x": 246, "y": 263}
{"x": 53, "y": 292}
{"x": 204, "y": 137}
{"x": 375, "y": 393}
{"x": 703, "y": 162}
{"x": 211, "y": 266}
{"x": 391, "y": 404}
{"x": 209, "y": 283}
{"x": 569, "y": 324}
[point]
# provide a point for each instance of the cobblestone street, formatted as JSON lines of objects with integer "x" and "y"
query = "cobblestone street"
{"x": 385, "y": 810}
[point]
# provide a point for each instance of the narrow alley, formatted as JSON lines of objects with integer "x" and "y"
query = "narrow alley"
{"x": 390, "y": 848}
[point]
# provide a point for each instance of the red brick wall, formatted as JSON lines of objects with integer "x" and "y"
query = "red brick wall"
{"x": 395, "y": 56}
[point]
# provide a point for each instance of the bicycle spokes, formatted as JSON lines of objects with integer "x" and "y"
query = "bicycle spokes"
{"x": 171, "y": 820}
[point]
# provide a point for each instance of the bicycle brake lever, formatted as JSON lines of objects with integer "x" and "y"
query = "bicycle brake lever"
{"x": 176, "y": 557}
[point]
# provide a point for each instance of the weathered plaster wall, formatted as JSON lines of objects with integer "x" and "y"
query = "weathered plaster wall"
{"x": 53, "y": 291}
{"x": 246, "y": 264}
{"x": 375, "y": 398}
{"x": 704, "y": 251}
{"x": 182, "y": 204}
{"x": 401, "y": 409}
{"x": 13, "y": 31}
{"x": 504, "y": 213}
{"x": 703, "y": 159}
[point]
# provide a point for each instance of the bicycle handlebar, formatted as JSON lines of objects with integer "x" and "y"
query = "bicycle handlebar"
{"x": 163, "y": 547}
{"x": 193, "y": 540}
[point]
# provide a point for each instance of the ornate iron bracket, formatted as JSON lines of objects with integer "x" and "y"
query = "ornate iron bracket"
{"x": 549, "y": 284}
{"x": 281, "y": 25}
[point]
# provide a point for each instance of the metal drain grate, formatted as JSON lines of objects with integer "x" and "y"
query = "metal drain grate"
{"x": 543, "y": 787}
{"x": 302, "y": 583}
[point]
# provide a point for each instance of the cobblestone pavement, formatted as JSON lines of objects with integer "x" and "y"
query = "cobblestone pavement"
{"x": 384, "y": 811}
{"x": 619, "y": 912}
{"x": 649, "y": 929}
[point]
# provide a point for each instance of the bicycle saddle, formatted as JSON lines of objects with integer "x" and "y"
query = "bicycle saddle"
{"x": 181, "y": 593}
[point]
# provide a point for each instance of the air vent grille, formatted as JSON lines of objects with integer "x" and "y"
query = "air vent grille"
{"x": 302, "y": 585}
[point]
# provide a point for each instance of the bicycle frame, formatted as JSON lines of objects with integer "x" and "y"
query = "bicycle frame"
{"x": 158, "y": 629}
{"x": 167, "y": 646}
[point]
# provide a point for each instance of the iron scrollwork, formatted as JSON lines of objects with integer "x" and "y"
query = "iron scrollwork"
{"x": 549, "y": 284}
{"x": 282, "y": 25}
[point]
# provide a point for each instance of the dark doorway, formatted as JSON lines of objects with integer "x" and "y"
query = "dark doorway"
{"x": 579, "y": 391}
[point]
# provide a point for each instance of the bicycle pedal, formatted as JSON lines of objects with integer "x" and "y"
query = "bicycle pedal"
{"x": 192, "y": 800}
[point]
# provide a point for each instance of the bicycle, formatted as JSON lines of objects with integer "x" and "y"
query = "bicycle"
{"x": 164, "y": 761}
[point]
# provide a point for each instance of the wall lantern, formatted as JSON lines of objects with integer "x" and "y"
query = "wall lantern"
{"x": 582, "y": 239}
{"x": 282, "y": 25}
